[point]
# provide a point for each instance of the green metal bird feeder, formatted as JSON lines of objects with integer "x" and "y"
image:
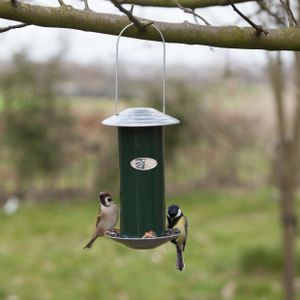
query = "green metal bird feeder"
{"x": 141, "y": 164}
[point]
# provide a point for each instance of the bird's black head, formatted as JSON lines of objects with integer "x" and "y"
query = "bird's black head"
{"x": 173, "y": 215}
{"x": 105, "y": 199}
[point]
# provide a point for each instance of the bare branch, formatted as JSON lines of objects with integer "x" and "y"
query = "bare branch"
{"x": 129, "y": 14}
{"x": 131, "y": 9}
{"x": 289, "y": 13}
{"x": 192, "y": 12}
{"x": 259, "y": 29}
{"x": 195, "y": 15}
{"x": 253, "y": 14}
{"x": 185, "y": 3}
{"x": 86, "y": 5}
{"x": 5, "y": 29}
{"x": 186, "y": 33}
{"x": 275, "y": 16}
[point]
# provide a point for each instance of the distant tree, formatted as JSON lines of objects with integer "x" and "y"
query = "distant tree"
{"x": 215, "y": 133}
{"x": 180, "y": 105}
{"x": 286, "y": 156}
{"x": 35, "y": 123}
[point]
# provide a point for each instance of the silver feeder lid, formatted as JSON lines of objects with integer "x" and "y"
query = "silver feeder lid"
{"x": 140, "y": 117}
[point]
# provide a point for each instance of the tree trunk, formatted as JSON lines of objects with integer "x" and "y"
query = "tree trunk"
{"x": 287, "y": 185}
{"x": 288, "y": 239}
{"x": 286, "y": 173}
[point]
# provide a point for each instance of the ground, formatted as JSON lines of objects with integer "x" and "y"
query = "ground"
{"x": 233, "y": 252}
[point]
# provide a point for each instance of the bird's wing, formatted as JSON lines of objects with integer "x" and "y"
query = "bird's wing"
{"x": 186, "y": 225}
{"x": 98, "y": 218}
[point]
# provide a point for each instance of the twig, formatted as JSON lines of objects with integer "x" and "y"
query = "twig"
{"x": 195, "y": 15}
{"x": 61, "y": 3}
{"x": 289, "y": 13}
{"x": 259, "y": 29}
{"x": 4, "y": 29}
{"x": 129, "y": 14}
{"x": 131, "y": 9}
{"x": 265, "y": 8}
{"x": 86, "y": 5}
{"x": 255, "y": 13}
{"x": 192, "y": 12}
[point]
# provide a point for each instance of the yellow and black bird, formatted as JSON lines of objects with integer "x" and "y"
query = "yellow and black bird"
{"x": 107, "y": 217}
{"x": 176, "y": 219}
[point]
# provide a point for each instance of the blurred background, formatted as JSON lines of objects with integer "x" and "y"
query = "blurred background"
{"x": 221, "y": 165}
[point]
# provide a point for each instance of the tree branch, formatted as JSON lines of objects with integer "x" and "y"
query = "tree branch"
{"x": 275, "y": 16}
{"x": 259, "y": 29}
{"x": 86, "y": 5}
{"x": 192, "y": 12}
{"x": 290, "y": 15}
{"x": 223, "y": 36}
{"x": 186, "y": 3}
{"x": 5, "y": 29}
{"x": 129, "y": 14}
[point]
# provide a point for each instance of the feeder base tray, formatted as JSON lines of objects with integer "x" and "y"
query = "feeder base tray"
{"x": 143, "y": 243}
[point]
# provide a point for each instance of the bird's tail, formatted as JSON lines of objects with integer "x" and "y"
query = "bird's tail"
{"x": 180, "y": 262}
{"x": 90, "y": 243}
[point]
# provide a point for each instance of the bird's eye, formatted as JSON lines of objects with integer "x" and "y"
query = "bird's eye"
{"x": 109, "y": 199}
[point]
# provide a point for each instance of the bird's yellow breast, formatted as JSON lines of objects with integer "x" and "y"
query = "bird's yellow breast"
{"x": 181, "y": 225}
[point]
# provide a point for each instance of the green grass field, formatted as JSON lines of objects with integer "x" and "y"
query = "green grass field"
{"x": 233, "y": 252}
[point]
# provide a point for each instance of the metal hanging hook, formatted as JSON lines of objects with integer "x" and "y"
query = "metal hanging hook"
{"x": 117, "y": 66}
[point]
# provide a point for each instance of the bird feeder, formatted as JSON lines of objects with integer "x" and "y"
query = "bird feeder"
{"x": 141, "y": 165}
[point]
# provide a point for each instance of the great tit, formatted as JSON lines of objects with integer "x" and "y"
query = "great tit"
{"x": 107, "y": 217}
{"x": 176, "y": 219}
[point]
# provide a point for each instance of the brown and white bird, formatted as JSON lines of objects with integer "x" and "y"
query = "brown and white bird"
{"x": 107, "y": 217}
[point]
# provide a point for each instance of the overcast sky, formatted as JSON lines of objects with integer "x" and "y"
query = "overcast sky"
{"x": 88, "y": 47}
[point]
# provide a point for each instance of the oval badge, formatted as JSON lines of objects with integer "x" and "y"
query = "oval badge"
{"x": 143, "y": 163}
